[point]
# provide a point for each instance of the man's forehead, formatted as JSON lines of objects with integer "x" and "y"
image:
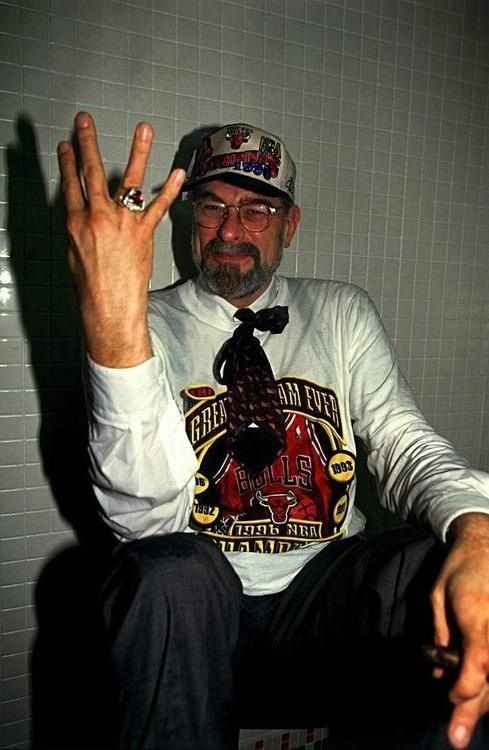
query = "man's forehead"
{"x": 225, "y": 191}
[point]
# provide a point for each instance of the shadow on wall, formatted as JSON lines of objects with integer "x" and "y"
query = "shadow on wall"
{"x": 69, "y": 631}
{"x": 50, "y": 321}
{"x": 181, "y": 212}
{"x": 69, "y": 669}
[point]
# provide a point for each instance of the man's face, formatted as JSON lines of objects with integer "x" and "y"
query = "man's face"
{"x": 234, "y": 262}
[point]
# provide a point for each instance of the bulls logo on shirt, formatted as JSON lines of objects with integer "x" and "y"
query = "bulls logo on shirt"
{"x": 300, "y": 498}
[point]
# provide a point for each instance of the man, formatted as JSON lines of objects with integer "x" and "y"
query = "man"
{"x": 271, "y": 569}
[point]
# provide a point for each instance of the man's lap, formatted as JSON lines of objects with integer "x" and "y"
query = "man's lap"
{"x": 342, "y": 645}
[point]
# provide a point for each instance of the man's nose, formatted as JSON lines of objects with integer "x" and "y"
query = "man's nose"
{"x": 231, "y": 229}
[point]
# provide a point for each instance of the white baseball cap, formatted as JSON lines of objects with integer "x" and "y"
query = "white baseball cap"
{"x": 245, "y": 155}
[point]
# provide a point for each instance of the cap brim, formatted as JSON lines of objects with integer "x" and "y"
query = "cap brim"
{"x": 247, "y": 183}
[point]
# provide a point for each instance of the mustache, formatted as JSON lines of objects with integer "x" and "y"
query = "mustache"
{"x": 240, "y": 248}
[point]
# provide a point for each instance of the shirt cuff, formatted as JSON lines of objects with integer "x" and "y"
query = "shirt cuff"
{"x": 126, "y": 391}
{"x": 445, "y": 530}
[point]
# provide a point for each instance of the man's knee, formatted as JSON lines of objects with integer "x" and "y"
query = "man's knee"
{"x": 179, "y": 565}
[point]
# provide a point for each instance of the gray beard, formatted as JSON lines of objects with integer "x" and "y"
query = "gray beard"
{"x": 227, "y": 281}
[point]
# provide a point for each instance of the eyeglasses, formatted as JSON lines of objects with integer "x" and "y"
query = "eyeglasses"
{"x": 254, "y": 217}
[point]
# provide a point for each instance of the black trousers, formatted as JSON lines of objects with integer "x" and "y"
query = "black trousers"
{"x": 194, "y": 659}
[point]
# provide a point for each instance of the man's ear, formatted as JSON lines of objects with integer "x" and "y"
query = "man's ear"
{"x": 291, "y": 223}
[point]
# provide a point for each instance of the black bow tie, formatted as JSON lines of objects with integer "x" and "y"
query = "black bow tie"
{"x": 273, "y": 319}
{"x": 256, "y": 425}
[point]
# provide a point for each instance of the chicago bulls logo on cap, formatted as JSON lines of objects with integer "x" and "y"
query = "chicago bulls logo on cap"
{"x": 237, "y": 135}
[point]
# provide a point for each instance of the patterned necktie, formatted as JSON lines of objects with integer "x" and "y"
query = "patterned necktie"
{"x": 256, "y": 424}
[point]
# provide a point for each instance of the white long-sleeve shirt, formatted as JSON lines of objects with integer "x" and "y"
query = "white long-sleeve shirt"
{"x": 159, "y": 457}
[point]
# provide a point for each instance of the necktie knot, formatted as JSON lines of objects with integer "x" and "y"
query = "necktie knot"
{"x": 273, "y": 319}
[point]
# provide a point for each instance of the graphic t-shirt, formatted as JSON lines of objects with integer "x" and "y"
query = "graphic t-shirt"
{"x": 159, "y": 456}
{"x": 302, "y": 497}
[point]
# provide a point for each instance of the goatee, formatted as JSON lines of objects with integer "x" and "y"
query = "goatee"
{"x": 226, "y": 279}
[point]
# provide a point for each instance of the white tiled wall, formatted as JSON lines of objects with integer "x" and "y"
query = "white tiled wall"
{"x": 384, "y": 104}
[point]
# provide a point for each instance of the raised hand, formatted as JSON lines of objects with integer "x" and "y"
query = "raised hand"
{"x": 111, "y": 247}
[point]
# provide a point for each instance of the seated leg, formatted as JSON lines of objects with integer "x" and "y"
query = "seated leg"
{"x": 171, "y": 607}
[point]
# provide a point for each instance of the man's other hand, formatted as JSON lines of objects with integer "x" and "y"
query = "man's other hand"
{"x": 460, "y": 601}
